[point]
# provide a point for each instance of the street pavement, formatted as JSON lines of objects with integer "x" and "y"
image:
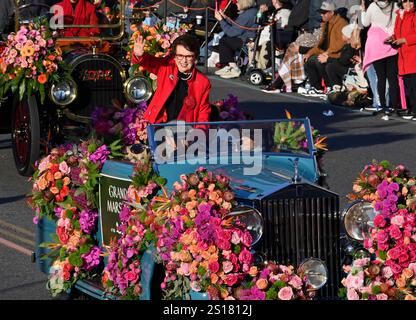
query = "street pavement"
{"x": 354, "y": 139}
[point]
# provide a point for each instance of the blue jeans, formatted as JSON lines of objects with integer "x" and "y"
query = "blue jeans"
{"x": 372, "y": 78}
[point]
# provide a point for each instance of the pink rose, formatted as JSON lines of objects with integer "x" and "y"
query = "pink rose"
{"x": 355, "y": 282}
{"x": 379, "y": 221}
{"x": 245, "y": 256}
{"x": 387, "y": 273}
{"x": 382, "y": 236}
{"x": 286, "y": 293}
{"x": 235, "y": 238}
{"x": 395, "y": 232}
{"x": 296, "y": 282}
{"x": 246, "y": 239}
{"x": 352, "y": 295}
{"x": 214, "y": 267}
{"x": 227, "y": 266}
{"x": 131, "y": 276}
{"x": 397, "y": 220}
{"x": 382, "y": 296}
{"x": 63, "y": 167}
{"x": 231, "y": 279}
{"x": 361, "y": 262}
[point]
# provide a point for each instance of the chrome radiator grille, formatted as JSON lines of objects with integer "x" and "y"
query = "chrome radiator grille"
{"x": 303, "y": 222}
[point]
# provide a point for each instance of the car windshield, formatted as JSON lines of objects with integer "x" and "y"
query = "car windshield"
{"x": 190, "y": 141}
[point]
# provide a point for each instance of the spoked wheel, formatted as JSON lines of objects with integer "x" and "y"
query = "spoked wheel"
{"x": 25, "y": 134}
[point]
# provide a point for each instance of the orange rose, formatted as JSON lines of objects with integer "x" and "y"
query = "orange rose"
{"x": 57, "y": 175}
{"x": 54, "y": 190}
{"x": 49, "y": 176}
{"x": 253, "y": 271}
{"x": 42, "y": 78}
{"x": 407, "y": 273}
{"x": 401, "y": 283}
{"x": 42, "y": 183}
{"x": 261, "y": 284}
{"x": 409, "y": 297}
{"x": 214, "y": 278}
{"x": 67, "y": 181}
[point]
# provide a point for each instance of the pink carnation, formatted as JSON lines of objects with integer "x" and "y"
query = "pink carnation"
{"x": 379, "y": 221}
{"x": 382, "y": 296}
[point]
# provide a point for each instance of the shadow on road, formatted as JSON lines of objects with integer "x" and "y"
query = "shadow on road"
{"x": 12, "y": 199}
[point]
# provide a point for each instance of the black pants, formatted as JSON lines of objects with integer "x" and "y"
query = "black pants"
{"x": 335, "y": 73}
{"x": 410, "y": 87}
{"x": 227, "y": 48}
{"x": 387, "y": 69}
{"x": 315, "y": 72}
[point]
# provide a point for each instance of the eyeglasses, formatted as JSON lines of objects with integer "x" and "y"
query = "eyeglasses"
{"x": 182, "y": 56}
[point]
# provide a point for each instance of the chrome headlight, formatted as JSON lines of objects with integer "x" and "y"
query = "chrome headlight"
{"x": 137, "y": 89}
{"x": 251, "y": 218}
{"x": 358, "y": 218}
{"x": 315, "y": 271}
{"x": 64, "y": 92}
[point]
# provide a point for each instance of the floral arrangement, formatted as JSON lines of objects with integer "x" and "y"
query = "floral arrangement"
{"x": 121, "y": 276}
{"x": 159, "y": 39}
{"x": 275, "y": 282}
{"x": 64, "y": 189}
{"x": 389, "y": 272}
{"x": 291, "y": 135}
{"x": 127, "y": 124}
{"x": 228, "y": 109}
{"x": 30, "y": 60}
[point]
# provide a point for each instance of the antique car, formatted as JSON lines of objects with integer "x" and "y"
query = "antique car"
{"x": 291, "y": 218}
{"x": 100, "y": 78}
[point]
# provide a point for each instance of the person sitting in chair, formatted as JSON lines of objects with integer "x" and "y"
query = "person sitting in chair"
{"x": 79, "y": 12}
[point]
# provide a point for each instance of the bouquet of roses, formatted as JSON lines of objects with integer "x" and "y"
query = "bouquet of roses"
{"x": 228, "y": 110}
{"x": 389, "y": 272}
{"x": 275, "y": 282}
{"x": 122, "y": 273}
{"x": 31, "y": 60}
{"x": 201, "y": 250}
{"x": 64, "y": 189}
{"x": 159, "y": 39}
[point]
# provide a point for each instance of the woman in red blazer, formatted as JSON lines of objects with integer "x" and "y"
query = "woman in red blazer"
{"x": 182, "y": 91}
{"x": 405, "y": 38}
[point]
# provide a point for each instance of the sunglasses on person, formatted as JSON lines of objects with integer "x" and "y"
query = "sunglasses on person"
{"x": 182, "y": 56}
{"x": 404, "y": 1}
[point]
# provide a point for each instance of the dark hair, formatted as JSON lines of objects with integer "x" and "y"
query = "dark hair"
{"x": 189, "y": 42}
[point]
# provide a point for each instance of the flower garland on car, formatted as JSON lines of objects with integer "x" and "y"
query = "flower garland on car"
{"x": 390, "y": 272}
{"x": 31, "y": 60}
{"x": 275, "y": 282}
{"x": 64, "y": 190}
{"x": 121, "y": 276}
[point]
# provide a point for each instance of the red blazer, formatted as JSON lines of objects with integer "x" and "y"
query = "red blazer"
{"x": 405, "y": 27}
{"x": 196, "y": 107}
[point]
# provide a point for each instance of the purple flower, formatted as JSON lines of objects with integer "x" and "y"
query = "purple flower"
{"x": 253, "y": 294}
{"x": 99, "y": 155}
{"x": 91, "y": 259}
{"x": 87, "y": 220}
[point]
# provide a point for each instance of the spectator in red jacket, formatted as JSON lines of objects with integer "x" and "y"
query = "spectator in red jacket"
{"x": 79, "y": 12}
{"x": 405, "y": 37}
{"x": 182, "y": 91}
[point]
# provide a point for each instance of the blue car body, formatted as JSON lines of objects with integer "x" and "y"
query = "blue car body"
{"x": 276, "y": 175}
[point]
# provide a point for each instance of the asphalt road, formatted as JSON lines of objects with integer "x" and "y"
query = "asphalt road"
{"x": 354, "y": 139}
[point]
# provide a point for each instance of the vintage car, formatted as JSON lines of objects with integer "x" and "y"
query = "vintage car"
{"x": 100, "y": 77}
{"x": 292, "y": 219}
